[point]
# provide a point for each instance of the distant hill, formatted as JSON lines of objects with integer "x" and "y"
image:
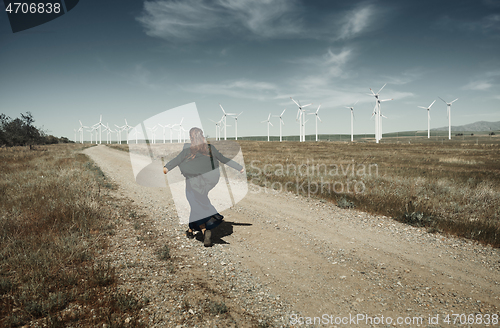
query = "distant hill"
{"x": 477, "y": 126}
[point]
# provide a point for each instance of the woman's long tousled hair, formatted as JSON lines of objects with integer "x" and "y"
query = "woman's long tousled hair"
{"x": 198, "y": 143}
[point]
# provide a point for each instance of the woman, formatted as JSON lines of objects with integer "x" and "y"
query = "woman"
{"x": 199, "y": 164}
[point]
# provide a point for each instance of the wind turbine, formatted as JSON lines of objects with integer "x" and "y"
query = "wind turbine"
{"x": 352, "y": 118}
{"x": 225, "y": 120}
{"x": 217, "y": 129}
{"x": 236, "y": 126}
{"x": 300, "y": 113}
{"x": 108, "y": 133}
{"x": 268, "y": 122}
{"x": 378, "y": 113}
{"x": 134, "y": 130}
{"x": 281, "y": 121}
{"x": 119, "y": 130}
{"x": 111, "y": 135}
{"x": 153, "y": 133}
{"x": 127, "y": 127}
{"x": 99, "y": 124}
{"x": 183, "y": 134}
{"x": 317, "y": 118}
{"x": 163, "y": 127}
{"x": 179, "y": 137}
{"x": 91, "y": 133}
{"x": 81, "y": 130}
{"x": 428, "y": 118}
{"x": 448, "y": 104}
{"x": 75, "y": 135}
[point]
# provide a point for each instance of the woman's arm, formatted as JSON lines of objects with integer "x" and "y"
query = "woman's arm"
{"x": 225, "y": 160}
{"x": 175, "y": 161}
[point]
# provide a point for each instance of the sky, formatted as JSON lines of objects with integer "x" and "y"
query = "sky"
{"x": 132, "y": 60}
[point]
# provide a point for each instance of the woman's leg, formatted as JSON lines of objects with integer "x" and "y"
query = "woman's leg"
{"x": 207, "y": 235}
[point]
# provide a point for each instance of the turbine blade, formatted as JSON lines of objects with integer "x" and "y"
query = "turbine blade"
{"x": 381, "y": 88}
{"x": 355, "y": 103}
{"x": 222, "y": 109}
{"x": 422, "y": 107}
{"x": 432, "y": 104}
{"x": 307, "y": 105}
{"x": 453, "y": 101}
{"x": 319, "y": 119}
{"x": 443, "y": 100}
{"x": 271, "y": 124}
{"x": 283, "y": 112}
{"x": 317, "y": 110}
{"x": 295, "y": 102}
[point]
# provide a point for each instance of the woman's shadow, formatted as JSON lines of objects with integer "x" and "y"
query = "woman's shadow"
{"x": 223, "y": 230}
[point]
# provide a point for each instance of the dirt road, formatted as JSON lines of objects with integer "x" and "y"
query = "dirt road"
{"x": 323, "y": 261}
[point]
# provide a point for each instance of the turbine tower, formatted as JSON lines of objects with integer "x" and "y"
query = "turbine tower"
{"x": 127, "y": 127}
{"x": 179, "y": 136}
{"x": 99, "y": 124}
{"x": 268, "y": 123}
{"x": 163, "y": 127}
{"x": 106, "y": 129}
{"x": 236, "y": 125}
{"x": 300, "y": 114}
{"x": 352, "y": 118}
{"x": 217, "y": 129}
{"x": 448, "y": 104}
{"x": 81, "y": 130}
{"x": 153, "y": 134}
{"x": 316, "y": 119}
{"x": 119, "y": 130}
{"x": 378, "y": 113}
{"x": 428, "y": 118}
{"x": 225, "y": 120}
{"x": 91, "y": 133}
{"x": 281, "y": 121}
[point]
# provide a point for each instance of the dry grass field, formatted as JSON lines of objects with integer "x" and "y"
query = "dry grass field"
{"x": 54, "y": 215}
{"x": 450, "y": 187}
